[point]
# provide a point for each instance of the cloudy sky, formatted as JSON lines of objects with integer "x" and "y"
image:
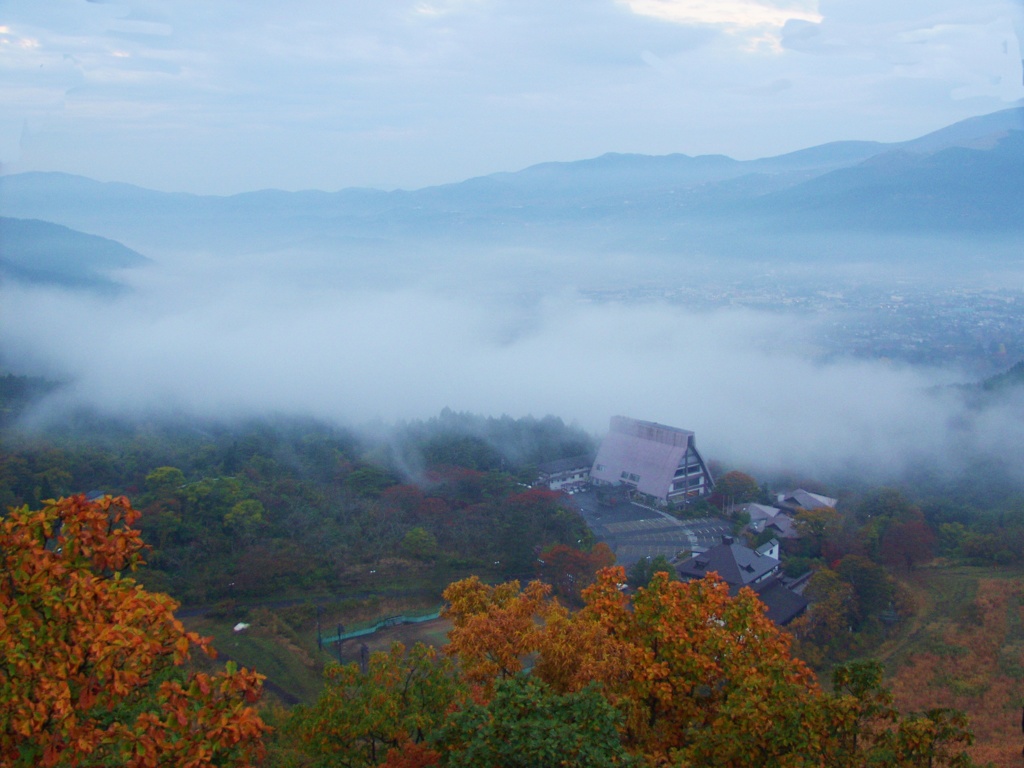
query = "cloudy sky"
{"x": 228, "y": 96}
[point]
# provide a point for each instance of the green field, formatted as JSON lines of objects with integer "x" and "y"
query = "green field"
{"x": 282, "y": 643}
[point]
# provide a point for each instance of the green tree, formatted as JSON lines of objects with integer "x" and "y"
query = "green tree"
{"x": 420, "y": 544}
{"x": 825, "y": 631}
{"x": 401, "y": 699}
{"x": 737, "y": 488}
{"x": 165, "y": 482}
{"x": 930, "y": 739}
{"x": 210, "y": 500}
{"x": 369, "y": 482}
{"x": 245, "y": 519}
{"x": 887, "y": 504}
{"x": 526, "y": 725}
{"x": 951, "y": 538}
{"x": 873, "y": 588}
{"x": 859, "y": 712}
{"x": 643, "y": 570}
{"x": 816, "y": 525}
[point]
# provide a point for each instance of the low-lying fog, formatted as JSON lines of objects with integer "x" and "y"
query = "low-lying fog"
{"x": 213, "y": 338}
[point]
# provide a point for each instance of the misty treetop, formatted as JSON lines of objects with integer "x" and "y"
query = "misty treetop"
{"x": 271, "y": 506}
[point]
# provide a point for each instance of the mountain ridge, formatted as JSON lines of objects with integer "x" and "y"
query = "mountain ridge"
{"x": 959, "y": 178}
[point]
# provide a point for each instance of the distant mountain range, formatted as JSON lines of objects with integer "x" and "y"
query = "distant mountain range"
{"x": 958, "y": 182}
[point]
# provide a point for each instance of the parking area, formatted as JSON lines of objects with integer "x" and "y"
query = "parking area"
{"x": 634, "y": 532}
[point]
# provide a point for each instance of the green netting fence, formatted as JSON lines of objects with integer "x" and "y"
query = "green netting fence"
{"x": 361, "y": 630}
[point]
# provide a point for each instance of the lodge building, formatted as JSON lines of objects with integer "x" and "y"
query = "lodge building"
{"x": 655, "y": 460}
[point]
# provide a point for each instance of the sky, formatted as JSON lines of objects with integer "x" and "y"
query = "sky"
{"x": 230, "y": 96}
{"x": 222, "y": 97}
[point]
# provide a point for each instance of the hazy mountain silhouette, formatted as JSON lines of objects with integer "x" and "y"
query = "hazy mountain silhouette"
{"x": 41, "y": 252}
{"x": 959, "y": 179}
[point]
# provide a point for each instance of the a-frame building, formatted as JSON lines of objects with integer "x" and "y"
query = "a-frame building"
{"x": 659, "y": 461}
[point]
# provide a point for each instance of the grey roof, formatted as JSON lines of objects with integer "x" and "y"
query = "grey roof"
{"x": 652, "y": 451}
{"x": 734, "y": 563}
{"x": 564, "y": 465}
{"x": 760, "y": 511}
{"x": 767, "y": 547}
{"x": 784, "y": 525}
{"x": 806, "y": 499}
{"x": 739, "y": 566}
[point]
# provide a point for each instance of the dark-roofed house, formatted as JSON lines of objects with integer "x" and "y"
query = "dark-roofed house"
{"x": 782, "y": 604}
{"x": 740, "y": 566}
{"x": 783, "y": 527}
{"x": 562, "y": 473}
{"x": 659, "y": 461}
{"x": 734, "y": 563}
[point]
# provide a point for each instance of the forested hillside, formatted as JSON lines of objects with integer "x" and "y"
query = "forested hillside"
{"x": 290, "y": 508}
{"x": 294, "y": 527}
{"x": 679, "y": 674}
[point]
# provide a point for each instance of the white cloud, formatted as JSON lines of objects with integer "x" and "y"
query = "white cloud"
{"x": 423, "y": 91}
{"x": 739, "y": 13}
{"x": 758, "y": 23}
{"x": 199, "y": 341}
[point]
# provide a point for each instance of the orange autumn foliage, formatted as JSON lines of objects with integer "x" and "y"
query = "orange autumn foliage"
{"x": 971, "y": 670}
{"x": 676, "y": 674}
{"x": 700, "y": 675}
{"x": 92, "y": 663}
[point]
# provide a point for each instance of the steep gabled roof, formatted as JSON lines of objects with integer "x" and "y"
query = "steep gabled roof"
{"x": 649, "y": 450}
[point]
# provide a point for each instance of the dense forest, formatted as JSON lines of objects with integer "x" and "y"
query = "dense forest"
{"x": 286, "y": 522}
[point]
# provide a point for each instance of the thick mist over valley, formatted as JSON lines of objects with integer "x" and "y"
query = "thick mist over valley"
{"x": 801, "y": 313}
{"x": 223, "y": 339}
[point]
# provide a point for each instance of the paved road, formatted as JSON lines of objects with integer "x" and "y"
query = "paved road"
{"x": 634, "y": 532}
